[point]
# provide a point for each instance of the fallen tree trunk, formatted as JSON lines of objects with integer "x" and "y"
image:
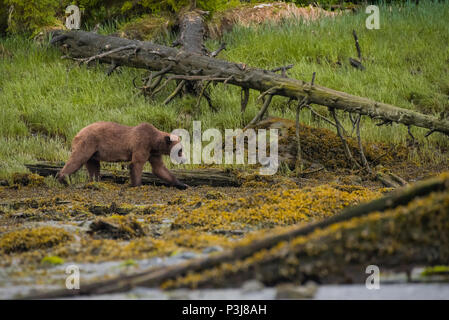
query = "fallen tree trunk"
{"x": 155, "y": 277}
{"x": 86, "y": 46}
{"x": 191, "y": 40}
{"x": 191, "y": 36}
{"x": 211, "y": 177}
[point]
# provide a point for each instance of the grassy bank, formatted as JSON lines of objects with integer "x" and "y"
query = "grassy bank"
{"x": 45, "y": 101}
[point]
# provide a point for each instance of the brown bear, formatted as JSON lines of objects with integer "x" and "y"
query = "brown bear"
{"x": 113, "y": 142}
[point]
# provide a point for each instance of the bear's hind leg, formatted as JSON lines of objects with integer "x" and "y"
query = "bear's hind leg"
{"x": 93, "y": 167}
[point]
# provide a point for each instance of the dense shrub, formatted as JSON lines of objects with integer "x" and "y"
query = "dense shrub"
{"x": 30, "y": 15}
{"x": 25, "y": 16}
{"x": 176, "y": 5}
{"x": 3, "y": 17}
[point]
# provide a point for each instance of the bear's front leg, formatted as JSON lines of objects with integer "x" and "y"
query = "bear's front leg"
{"x": 136, "y": 174}
{"x": 160, "y": 171}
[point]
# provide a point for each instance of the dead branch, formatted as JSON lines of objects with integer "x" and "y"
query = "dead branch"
{"x": 353, "y": 121}
{"x": 429, "y": 133}
{"x": 244, "y": 98}
{"x": 220, "y": 49}
{"x": 354, "y": 62}
{"x": 188, "y": 78}
{"x": 283, "y": 69}
{"x": 154, "y": 57}
{"x": 357, "y": 45}
{"x": 298, "y": 164}
{"x": 413, "y": 141}
{"x": 162, "y": 86}
{"x": 385, "y": 122}
{"x": 261, "y": 112}
{"x": 104, "y": 54}
{"x": 312, "y": 171}
{"x": 359, "y": 140}
{"x": 270, "y": 91}
{"x": 343, "y": 140}
{"x": 398, "y": 179}
{"x": 198, "y": 78}
{"x": 175, "y": 92}
{"x": 209, "y": 102}
{"x": 386, "y": 180}
{"x": 149, "y": 84}
{"x": 203, "y": 89}
{"x": 112, "y": 68}
{"x": 320, "y": 116}
{"x": 304, "y": 102}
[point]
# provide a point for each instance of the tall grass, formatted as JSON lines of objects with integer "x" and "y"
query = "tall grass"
{"x": 45, "y": 101}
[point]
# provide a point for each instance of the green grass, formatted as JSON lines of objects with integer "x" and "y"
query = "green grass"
{"x": 45, "y": 100}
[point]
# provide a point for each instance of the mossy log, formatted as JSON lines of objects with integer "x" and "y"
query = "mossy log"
{"x": 87, "y": 46}
{"x": 206, "y": 176}
{"x": 178, "y": 276}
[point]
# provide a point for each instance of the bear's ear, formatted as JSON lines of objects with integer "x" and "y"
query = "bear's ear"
{"x": 167, "y": 140}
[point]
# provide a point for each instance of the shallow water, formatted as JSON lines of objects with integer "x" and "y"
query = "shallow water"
{"x": 55, "y": 277}
{"x": 392, "y": 285}
{"x": 412, "y": 291}
{"x": 401, "y": 291}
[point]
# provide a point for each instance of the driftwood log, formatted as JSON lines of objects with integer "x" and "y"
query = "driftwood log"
{"x": 208, "y": 176}
{"x": 87, "y": 46}
{"x": 154, "y": 277}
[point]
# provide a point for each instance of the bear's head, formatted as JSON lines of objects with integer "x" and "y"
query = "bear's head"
{"x": 173, "y": 147}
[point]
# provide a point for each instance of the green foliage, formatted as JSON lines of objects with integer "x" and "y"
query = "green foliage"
{"x": 3, "y": 17}
{"x": 45, "y": 101}
{"x": 52, "y": 260}
{"x": 435, "y": 270}
{"x": 129, "y": 263}
{"x": 99, "y": 11}
{"x": 157, "y": 6}
{"x": 323, "y": 3}
{"x": 25, "y": 15}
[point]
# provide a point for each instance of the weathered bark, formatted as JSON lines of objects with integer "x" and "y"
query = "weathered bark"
{"x": 192, "y": 32}
{"x": 147, "y": 55}
{"x": 191, "y": 40}
{"x": 211, "y": 177}
{"x": 155, "y": 277}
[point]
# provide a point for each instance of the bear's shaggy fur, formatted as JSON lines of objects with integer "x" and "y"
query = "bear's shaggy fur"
{"x": 113, "y": 142}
